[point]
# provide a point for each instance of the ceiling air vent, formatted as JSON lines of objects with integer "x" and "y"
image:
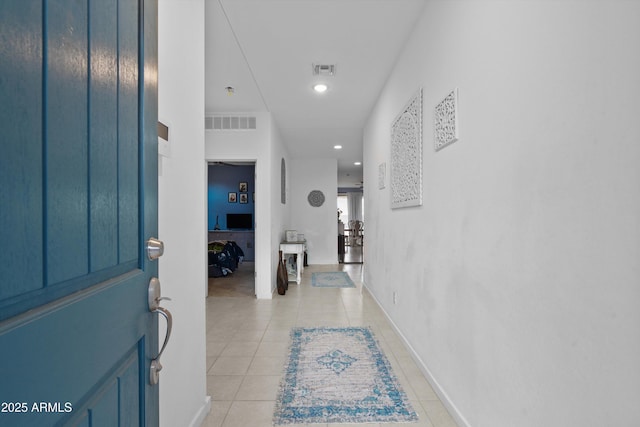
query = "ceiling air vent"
{"x": 230, "y": 123}
{"x": 323, "y": 70}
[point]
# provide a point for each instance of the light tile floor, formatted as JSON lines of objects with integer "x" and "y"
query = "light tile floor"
{"x": 247, "y": 341}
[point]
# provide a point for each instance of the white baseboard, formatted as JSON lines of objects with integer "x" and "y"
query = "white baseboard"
{"x": 444, "y": 398}
{"x": 202, "y": 413}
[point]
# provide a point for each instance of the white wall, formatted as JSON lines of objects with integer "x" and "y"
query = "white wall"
{"x": 182, "y": 183}
{"x": 280, "y": 213}
{"x": 318, "y": 224}
{"x": 518, "y": 280}
{"x": 264, "y": 146}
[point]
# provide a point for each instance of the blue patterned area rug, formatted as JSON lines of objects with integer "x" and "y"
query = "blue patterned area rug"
{"x": 339, "y": 375}
{"x": 332, "y": 279}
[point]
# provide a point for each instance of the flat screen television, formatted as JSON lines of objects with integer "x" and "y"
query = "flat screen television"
{"x": 239, "y": 221}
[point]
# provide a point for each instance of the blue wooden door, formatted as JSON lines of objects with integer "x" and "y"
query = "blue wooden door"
{"x": 78, "y": 199}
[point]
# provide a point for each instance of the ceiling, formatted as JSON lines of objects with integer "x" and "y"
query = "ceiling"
{"x": 265, "y": 50}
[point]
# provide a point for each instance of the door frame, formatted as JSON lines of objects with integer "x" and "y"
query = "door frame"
{"x": 246, "y": 162}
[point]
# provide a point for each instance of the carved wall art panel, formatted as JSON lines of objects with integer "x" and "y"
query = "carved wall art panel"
{"x": 445, "y": 122}
{"x": 406, "y": 155}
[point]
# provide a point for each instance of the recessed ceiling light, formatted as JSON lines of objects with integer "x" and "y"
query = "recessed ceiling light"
{"x": 357, "y": 163}
{"x": 338, "y": 147}
{"x": 320, "y": 87}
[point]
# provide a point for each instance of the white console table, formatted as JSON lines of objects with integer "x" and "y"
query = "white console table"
{"x": 298, "y": 249}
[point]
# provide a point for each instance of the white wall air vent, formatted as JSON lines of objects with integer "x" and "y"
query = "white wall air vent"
{"x": 323, "y": 70}
{"x": 230, "y": 123}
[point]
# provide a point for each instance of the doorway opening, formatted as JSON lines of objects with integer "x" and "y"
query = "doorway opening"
{"x": 231, "y": 220}
{"x": 350, "y": 227}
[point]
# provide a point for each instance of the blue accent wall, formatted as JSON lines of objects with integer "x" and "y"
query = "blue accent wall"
{"x": 225, "y": 179}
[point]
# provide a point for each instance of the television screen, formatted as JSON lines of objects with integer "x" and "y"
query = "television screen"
{"x": 239, "y": 221}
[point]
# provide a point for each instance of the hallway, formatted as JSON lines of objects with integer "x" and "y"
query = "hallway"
{"x": 247, "y": 341}
{"x": 353, "y": 255}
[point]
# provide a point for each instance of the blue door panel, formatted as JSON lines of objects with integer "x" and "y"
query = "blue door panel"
{"x": 78, "y": 197}
{"x": 128, "y": 131}
{"x": 21, "y": 239}
{"x": 83, "y": 422}
{"x": 65, "y": 361}
{"x": 90, "y": 150}
{"x": 105, "y": 412}
{"x": 103, "y": 135}
{"x": 148, "y": 101}
{"x": 117, "y": 401}
{"x": 129, "y": 390}
{"x": 66, "y": 145}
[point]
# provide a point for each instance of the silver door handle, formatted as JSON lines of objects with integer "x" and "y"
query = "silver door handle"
{"x": 154, "y": 299}
{"x": 167, "y": 315}
{"x": 154, "y": 292}
{"x": 156, "y": 366}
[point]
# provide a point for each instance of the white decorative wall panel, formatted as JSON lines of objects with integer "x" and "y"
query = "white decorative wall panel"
{"x": 382, "y": 175}
{"x": 406, "y": 155}
{"x": 445, "y": 120}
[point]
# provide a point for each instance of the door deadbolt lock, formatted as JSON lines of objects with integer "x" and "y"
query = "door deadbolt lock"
{"x": 155, "y": 248}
